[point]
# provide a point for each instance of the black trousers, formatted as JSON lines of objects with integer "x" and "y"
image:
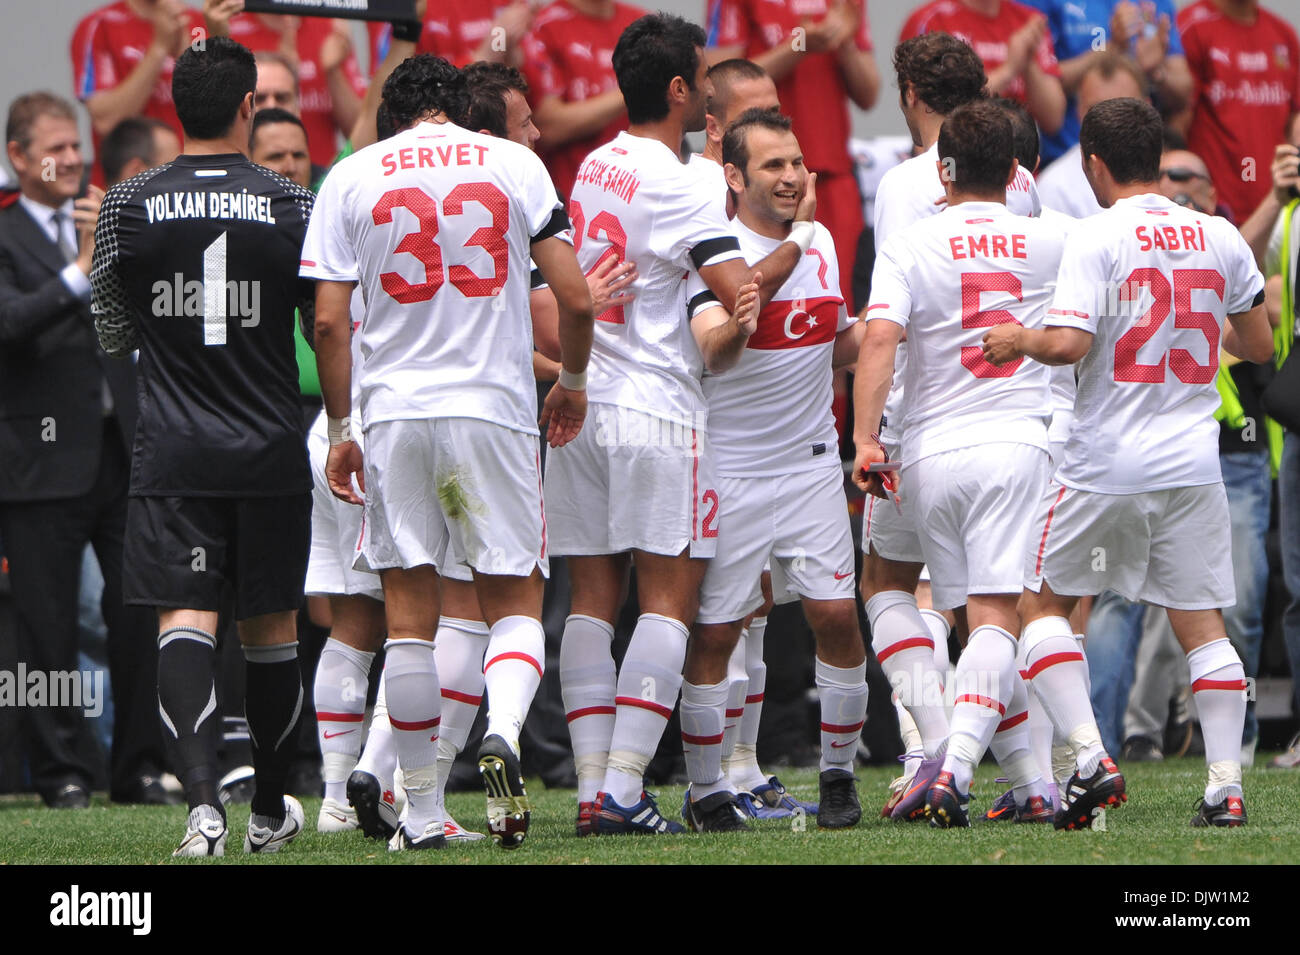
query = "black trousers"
{"x": 44, "y": 542}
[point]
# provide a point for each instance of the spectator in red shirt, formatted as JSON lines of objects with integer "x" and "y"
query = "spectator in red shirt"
{"x": 1246, "y": 65}
{"x": 465, "y": 31}
{"x": 1015, "y": 45}
{"x": 567, "y": 62}
{"x": 819, "y": 54}
{"x": 122, "y": 59}
{"x": 330, "y": 85}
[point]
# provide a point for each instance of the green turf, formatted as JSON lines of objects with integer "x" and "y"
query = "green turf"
{"x": 1151, "y": 828}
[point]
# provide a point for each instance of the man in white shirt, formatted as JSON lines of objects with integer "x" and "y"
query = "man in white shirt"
{"x": 1138, "y": 504}
{"x": 781, "y": 487}
{"x": 437, "y": 224}
{"x": 976, "y": 442}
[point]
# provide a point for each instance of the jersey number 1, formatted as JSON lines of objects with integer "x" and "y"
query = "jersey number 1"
{"x": 424, "y": 245}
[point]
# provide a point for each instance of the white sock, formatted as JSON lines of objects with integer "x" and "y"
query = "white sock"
{"x": 1058, "y": 673}
{"x": 1010, "y": 746}
{"x": 743, "y": 769}
{"x": 984, "y": 684}
{"x": 379, "y": 756}
{"x": 939, "y": 631}
{"x": 843, "y": 693}
{"x": 1219, "y": 686}
{"x": 702, "y": 715}
{"x": 414, "y": 704}
{"x": 647, "y": 692}
{"x": 342, "y": 679}
{"x": 737, "y": 690}
{"x": 516, "y": 653}
{"x": 904, "y": 645}
{"x": 587, "y": 683}
{"x": 1041, "y": 731}
{"x": 458, "y": 652}
{"x": 913, "y": 750}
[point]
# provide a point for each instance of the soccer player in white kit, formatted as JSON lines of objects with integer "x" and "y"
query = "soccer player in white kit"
{"x": 1138, "y": 503}
{"x": 637, "y": 483}
{"x": 975, "y": 448}
{"x": 781, "y": 487}
{"x": 936, "y": 74}
{"x": 437, "y": 224}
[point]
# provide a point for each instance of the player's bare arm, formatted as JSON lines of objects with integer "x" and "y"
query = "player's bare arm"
{"x": 1044, "y": 98}
{"x": 857, "y": 67}
{"x": 848, "y": 345}
{"x": 872, "y": 380}
{"x": 1051, "y": 345}
{"x": 334, "y": 366}
{"x": 1248, "y": 334}
{"x": 722, "y": 335}
{"x": 565, "y": 407}
{"x": 562, "y": 122}
{"x": 546, "y": 323}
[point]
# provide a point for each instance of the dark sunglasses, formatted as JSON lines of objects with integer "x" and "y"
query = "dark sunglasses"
{"x": 1182, "y": 174}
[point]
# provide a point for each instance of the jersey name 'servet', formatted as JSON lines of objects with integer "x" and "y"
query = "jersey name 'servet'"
{"x": 947, "y": 279}
{"x": 635, "y": 199}
{"x": 1153, "y": 282}
{"x": 909, "y": 192}
{"x": 436, "y": 224}
{"x": 196, "y": 263}
{"x": 771, "y": 412}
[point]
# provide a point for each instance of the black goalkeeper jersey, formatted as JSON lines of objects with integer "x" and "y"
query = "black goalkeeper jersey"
{"x": 196, "y": 264}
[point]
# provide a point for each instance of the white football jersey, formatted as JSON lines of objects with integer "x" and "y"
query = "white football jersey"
{"x": 771, "y": 413}
{"x": 908, "y": 193}
{"x": 634, "y": 198}
{"x": 1153, "y": 282}
{"x": 436, "y": 223}
{"x": 712, "y": 171}
{"x": 947, "y": 279}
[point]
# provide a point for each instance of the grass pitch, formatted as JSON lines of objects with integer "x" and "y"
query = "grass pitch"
{"x": 1151, "y": 828}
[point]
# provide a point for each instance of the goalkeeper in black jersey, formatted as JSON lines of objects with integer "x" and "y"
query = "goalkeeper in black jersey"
{"x": 196, "y": 265}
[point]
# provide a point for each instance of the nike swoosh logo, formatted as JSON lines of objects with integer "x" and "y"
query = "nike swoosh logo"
{"x": 341, "y": 733}
{"x": 848, "y": 573}
{"x": 835, "y": 745}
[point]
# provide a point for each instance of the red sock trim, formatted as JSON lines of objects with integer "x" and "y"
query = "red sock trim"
{"x": 513, "y": 655}
{"x": 416, "y": 725}
{"x": 589, "y": 711}
{"x": 1204, "y": 684}
{"x": 651, "y": 705}
{"x": 460, "y": 697}
{"x": 1013, "y": 721}
{"x": 844, "y": 728}
{"x": 908, "y": 644}
{"x": 978, "y": 700}
{"x": 324, "y": 717}
{"x": 701, "y": 740}
{"x": 1070, "y": 656}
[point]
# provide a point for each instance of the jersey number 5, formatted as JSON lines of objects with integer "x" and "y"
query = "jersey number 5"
{"x": 972, "y": 284}
{"x": 424, "y": 245}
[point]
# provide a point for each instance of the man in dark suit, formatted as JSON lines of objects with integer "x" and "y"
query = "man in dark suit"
{"x": 67, "y": 418}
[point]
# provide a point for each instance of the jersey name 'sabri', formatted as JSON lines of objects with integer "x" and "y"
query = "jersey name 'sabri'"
{"x": 209, "y": 205}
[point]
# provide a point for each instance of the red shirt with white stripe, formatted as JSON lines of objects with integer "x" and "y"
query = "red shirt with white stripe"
{"x": 769, "y": 412}
{"x": 569, "y": 54}
{"x": 1247, "y": 86}
{"x": 108, "y": 44}
{"x": 813, "y": 94}
{"x": 986, "y": 35}
{"x": 315, "y": 104}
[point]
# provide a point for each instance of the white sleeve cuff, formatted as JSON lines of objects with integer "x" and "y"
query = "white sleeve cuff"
{"x": 76, "y": 281}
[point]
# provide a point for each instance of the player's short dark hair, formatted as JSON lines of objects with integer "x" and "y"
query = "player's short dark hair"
{"x": 209, "y": 83}
{"x": 269, "y": 116}
{"x": 485, "y": 103}
{"x": 725, "y": 75}
{"x": 424, "y": 84}
{"x": 943, "y": 71}
{"x": 1024, "y": 132}
{"x": 27, "y": 109}
{"x": 977, "y": 143}
{"x": 132, "y": 138}
{"x": 384, "y": 128}
{"x": 1127, "y": 135}
{"x": 650, "y": 52}
{"x": 735, "y": 141}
